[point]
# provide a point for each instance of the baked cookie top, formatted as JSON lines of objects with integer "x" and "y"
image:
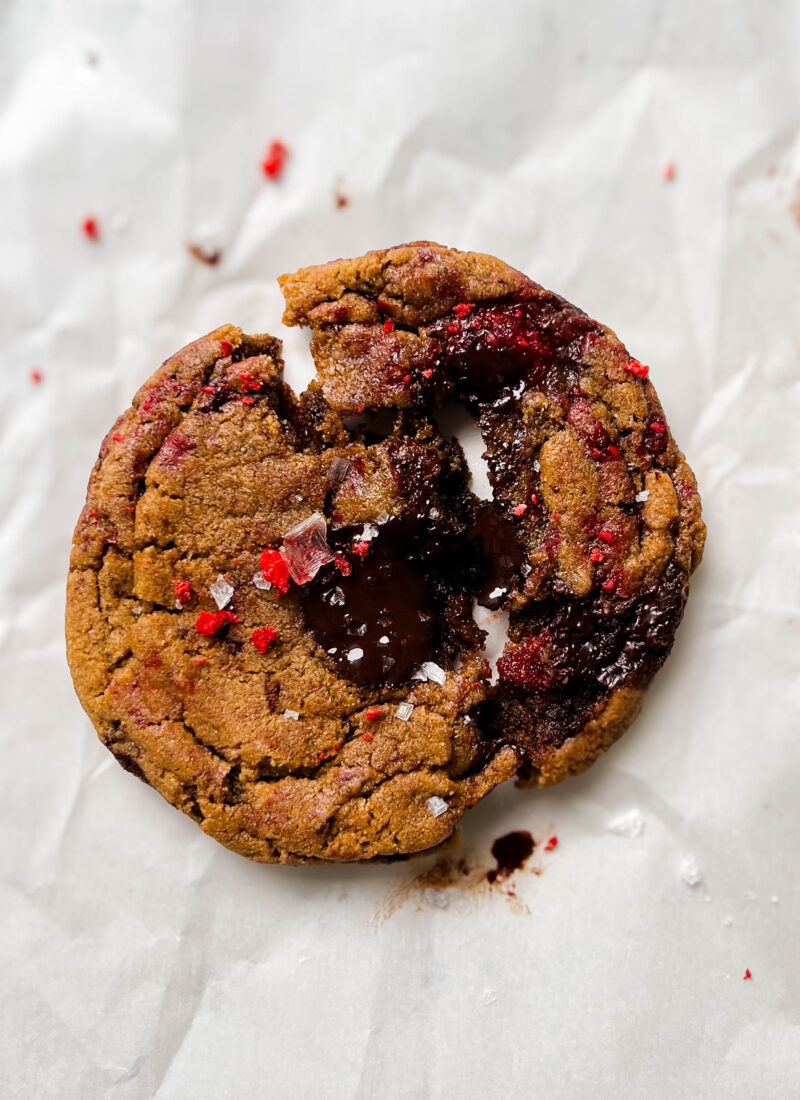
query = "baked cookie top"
{"x": 269, "y": 613}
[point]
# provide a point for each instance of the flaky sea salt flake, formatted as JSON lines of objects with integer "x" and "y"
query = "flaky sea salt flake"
{"x": 337, "y": 472}
{"x": 293, "y": 714}
{"x": 355, "y": 654}
{"x": 305, "y": 548}
{"x": 260, "y": 581}
{"x": 690, "y": 871}
{"x": 404, "y": 711}
{"x": 221, "y": 591}
{"x": 629, "y": 824}
{"x": 644, "y": 495}
{"x": 436, "y": 806}
{"x": 434, "y": 672}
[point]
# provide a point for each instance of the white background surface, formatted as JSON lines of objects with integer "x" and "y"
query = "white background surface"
{"x": 139, "y": 959}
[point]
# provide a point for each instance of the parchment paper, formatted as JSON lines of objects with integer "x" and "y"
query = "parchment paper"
{"x": 139, "y": 959}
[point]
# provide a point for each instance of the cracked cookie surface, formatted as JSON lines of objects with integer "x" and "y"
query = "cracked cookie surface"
{"x": 269, "y": 613}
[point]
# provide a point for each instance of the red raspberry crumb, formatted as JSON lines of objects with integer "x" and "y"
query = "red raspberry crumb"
{"x": 608, "y": 586}
{"x": 360, "y": 548}
{"x": 36, "y": 377}
{"x": 372, "y": 713}
{"x": 427, "y": 373}
{"x": 340, "y": 313}
{"x": 388, "y": 325}
{"x": 658, "y": 426}
{"x": 208, "y": 623}
{"x": 336, "y": 747}
{"x": 747, "y": 975}
{"x": 273, "y": 162}
{"x": 523, "y": 665}
{"x": 367, "y": 737}
{"x": 633, "y": 366}
{"x": 250, "y": 384}
{"x": 248, "y": 400}
{"x": 605, "y": 536}
{"x": 265, "y": 637}
{"x": 90, "y": 229}
{"x": 118, "y": 438}
{"x": 183, "y": 591}
{"x": 199, "y": 660}
{"x": 343, "y": 565}
{"x": 520, "y": 509}
{"x": 534, "y": 498}
{"x": 597, "y": 555}
{"x": 668, "y": 171}
{"x": 452, "y": 328}
{"x": 361, "y": 408}
{"x": 225, "y": 348}
{"x": 551, "y": 844}
{"x": 463, "y": 310}
{"x": 612, "y": 450}
{"x": 209, "y": 389}
{"x": 556, "y": 516}
{"x": 275, "y": 570}
{"x": 407, "y": 378}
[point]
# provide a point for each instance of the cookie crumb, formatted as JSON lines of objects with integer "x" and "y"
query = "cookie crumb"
{"x": 209, "y": 257}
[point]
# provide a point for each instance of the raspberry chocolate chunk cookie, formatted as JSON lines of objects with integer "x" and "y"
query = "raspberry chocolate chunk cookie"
{"x": 595, "y": 524}
{"x": 260, "y": 620}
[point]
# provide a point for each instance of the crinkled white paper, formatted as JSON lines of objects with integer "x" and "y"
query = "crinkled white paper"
{"x": 139, "y": 959}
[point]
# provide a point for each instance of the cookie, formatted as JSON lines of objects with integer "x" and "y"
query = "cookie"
{"x": 197, "y": 561}
{"x": 595, "y": 524}
{"x": 270, "y": 604}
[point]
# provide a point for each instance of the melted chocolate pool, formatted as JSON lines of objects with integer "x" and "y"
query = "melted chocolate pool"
{"x": 510, "y": 853}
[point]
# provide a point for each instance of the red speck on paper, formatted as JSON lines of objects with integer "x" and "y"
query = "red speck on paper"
{"x": 183, "y": 591}
{"x": 360, "y": 548}
{"x": 520, "y": 509}
{"x": 367, "y": 737}
{"x": 551, "y": 844}
{"x": 463, "y": 310}
{"x": 36, "y": 377}
{"x": 273, "y": 163}
{"x": 747, "y": 975}
{"x": 633, "y": 366}
{"x": 90, "y": 229}
{"x": 597, "y": 555}
{"x": 343, "y": 565}
{"x": 605, "y": 536}
{"x": 373, "y": 713}
{"x": 265, "y": 637}
{"x": 208, "y": 623}
{"x": 275, "y": 570}
{"x": 668, "y": 171}
{"x": 225, "y": 348}
{"x": 388, "y": 325}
